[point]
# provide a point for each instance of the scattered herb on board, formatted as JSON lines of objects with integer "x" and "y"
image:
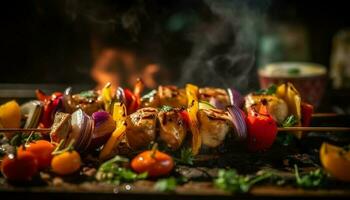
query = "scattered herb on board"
{"x": 113, "y": 171}
{"x": 313, "y": 179}
{"x": 231, "y": 181}
{"x": 169, "y": 184}
{"x": 186, "y": 157}
{"x": 268, "y": 91}
{"x": 166, "y": 184}
{"x": 291, "y": 120}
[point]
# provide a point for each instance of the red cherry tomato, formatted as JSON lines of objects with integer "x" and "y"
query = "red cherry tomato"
{"x": 41, "y": 149}
{"x": 155, "y": 163}
{"x": 21, "y": 167}
{"x": 262, "y": 131}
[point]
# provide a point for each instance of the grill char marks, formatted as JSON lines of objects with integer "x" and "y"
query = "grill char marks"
{"x": 172, "y": 128}
{"x": 206, "y": 93}
{"x": 214, "y": 126}
{"x": 141, "y": 128}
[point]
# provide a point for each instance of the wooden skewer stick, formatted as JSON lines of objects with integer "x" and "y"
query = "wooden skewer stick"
{"x": 41, "y": 130}
{"x": 327, "y": 115}
{"x": 315, "y": 129}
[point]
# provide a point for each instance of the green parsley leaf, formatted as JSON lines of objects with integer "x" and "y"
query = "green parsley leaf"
{"x": 268, "y": 91}
{"x": 149, "y": 95}
{"x": 293, "y": 71}
{"x": 186, "y": 157}
{"x": 166, "y": 185}
{"x": 166, "y": 108}
{"x": 21, "y": 138}
{"x": 112, "y": 171}
{"x": 312, "y": 179}
{"x": 231, "y": 181}
{"x": 285, "y": 139}
{"x": 290, "y": 121}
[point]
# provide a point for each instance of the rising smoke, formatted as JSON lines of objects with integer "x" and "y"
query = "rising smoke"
{"x": 224, "y": 48}
{"x": 224, "y": 54}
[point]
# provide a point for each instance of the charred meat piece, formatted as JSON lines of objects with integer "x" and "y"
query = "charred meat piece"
{"x": 141, "y": 127}
{"x": 172, "y": 128}
{"x": 88, "y": 101}
{"x": 214, "y": 125}
{"x": 220, "y": 95}
{"x": 276, "y": 107}
{"x": 60, "y": 127}
{"x": 172, "y": 96}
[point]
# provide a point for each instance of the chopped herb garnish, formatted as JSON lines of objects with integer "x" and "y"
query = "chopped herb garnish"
{"x": 149, "y": 95}
{"x": 113, "y": 171}
{"x": 21, "y": 138}
{"x": 186, "y": 157}
{"x": 166, "y": 185}
{"x": 90, "y": 94}
{"x": 285, "y": 139}
{"x": 231, "y": 181}
{"x": 312, "y": 179}
{"x": 290, "y": 121}
{"x": 268, "y": 91}
{"x": 166, "y": 108}
{"x": 293, "y": 71}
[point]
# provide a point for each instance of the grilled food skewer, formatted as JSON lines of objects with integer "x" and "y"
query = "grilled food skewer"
{"x": 281, "y": 129}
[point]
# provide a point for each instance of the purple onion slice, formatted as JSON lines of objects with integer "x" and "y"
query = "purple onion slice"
{"x": 236, "y": 98}
{"x": 237, "y": 117}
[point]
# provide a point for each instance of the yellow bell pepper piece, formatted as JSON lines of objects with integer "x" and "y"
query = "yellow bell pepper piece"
{"x": 10, "y": 115}
{"x": 192, "y": 109}
{"x": 291, "y": 96}
{"x": 119, "y": 115}
{"x": 107, "y": 97}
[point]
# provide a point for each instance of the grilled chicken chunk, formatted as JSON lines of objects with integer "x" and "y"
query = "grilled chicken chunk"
{"x": 214, "y": 125}
{"x": 219, "y": 94}
{"x": 276, "y": 107}
{"x": 172, "y": 128}
{"x": 172, "y": 96}
{"x": 141, "y": 127}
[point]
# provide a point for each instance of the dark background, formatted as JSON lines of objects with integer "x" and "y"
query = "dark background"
{"x": 50, "y": 41}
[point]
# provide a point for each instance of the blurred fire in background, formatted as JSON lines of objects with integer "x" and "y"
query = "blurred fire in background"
{"x": 218, "y": 43}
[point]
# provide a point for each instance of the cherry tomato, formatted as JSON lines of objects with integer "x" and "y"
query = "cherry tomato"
{"x": 66, "y": 163}
{"x": 262, "y": 131}
{"x": 21, "y": 167}
{"x": 155, "y": 163}
{"x": 42, "y": 150}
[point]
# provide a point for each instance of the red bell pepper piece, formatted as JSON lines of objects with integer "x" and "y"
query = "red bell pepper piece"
{"x": 131, "y": 101}
{"x": 306, "y": 113}
{"x": 51, "y": 104}
{"x": 185, "y": 117}
{"x": 262, "y": 130}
